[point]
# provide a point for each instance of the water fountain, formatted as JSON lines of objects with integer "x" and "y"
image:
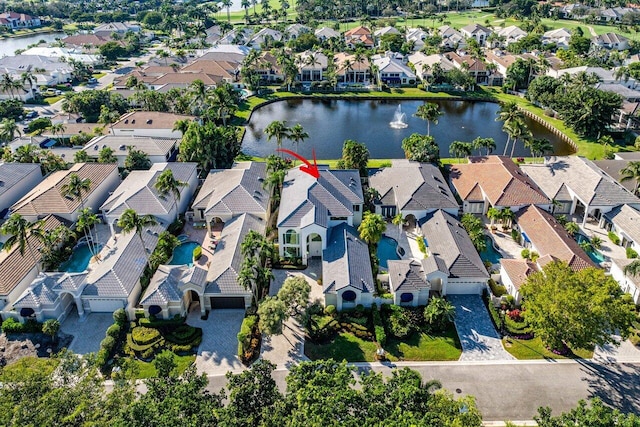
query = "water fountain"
{"x": 399, "y": 119}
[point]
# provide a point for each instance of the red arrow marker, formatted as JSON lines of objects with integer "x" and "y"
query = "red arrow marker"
{"x": 311, "y": 169}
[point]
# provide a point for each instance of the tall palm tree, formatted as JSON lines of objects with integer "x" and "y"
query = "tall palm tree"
{"x": 86, "y": 220}
{"x": 371, "y": 228}
{"x": 57, "y": 129}
{"x": 167, "y": 183}
{"x": 297, "y": 134}
{"x": 493, "y": 214}
{"x": 460, "y": 149}
{"x": 277, "y": 129}
{"x": 398, "y": 220}
{"x": 519, "y": 130}
{"x": 75, "y": 187}
{"x": 631, "y": 172}
{"x": 24, "y": 234}
{"x": 130, "y": 221}
{"x": 487, "y": 143}
{"x": 429, "y": 112}
{"x": 27, "y": 153}
{"x": 8, "y": 130}
{"x": 572, "y": 228}
{"x": 28, "y": 78}
{"x": 508, "y": 113}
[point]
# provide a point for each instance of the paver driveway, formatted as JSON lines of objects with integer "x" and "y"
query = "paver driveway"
{"x": 217, "y": 353}
{"x": 479, "y": 339}
{"x": 87, "y": 332}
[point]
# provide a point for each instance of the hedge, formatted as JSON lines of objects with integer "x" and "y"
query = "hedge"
{"x": 12, "y": 326}
{"x": 159, "y": 323}
{"x": 114, "y": 331}
{"x": 381, "y": 335}
{"x": 197, "y": 253}
{"x": 244, "y": 336}
{"x": 143, "y": 335}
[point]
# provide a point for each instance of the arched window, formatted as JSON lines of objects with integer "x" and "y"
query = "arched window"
{"x": 291, "y": 237}
{"x": 406, "y": 297}
{"x": 154, "y": 309}
{"x": 349, "y": 296}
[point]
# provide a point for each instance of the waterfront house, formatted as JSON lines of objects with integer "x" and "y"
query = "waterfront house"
{"x": 149, "y": 123}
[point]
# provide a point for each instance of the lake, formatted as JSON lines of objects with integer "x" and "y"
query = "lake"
{"x": 10, "y": 45}
{"x": 330, "y": 122}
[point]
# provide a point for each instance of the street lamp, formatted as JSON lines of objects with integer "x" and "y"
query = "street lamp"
{"x": 503, "y": 313}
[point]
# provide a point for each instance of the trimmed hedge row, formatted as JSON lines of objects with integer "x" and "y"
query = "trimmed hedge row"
{"x": 143, "y": 335}
{"x": 12, "y": 326}
{"x": 381, "y": 335}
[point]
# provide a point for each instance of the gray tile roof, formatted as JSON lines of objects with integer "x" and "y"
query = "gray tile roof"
{"x": 306, "y": 200}
{"x": 451, "y": 247}
{"x": 120, "y": 269}
{"x": 153, "y": 146}
{"x": 406, "y": 275}
{"x": 234, "y": 191}
{"x": 167, "y": 283}
{"x": 613, "y": 168}
{"x": 71, "y": 282}
{"x": 226, "y": 261}
{"x": 626, "y": 218}
{"x": 40, "y": 293}
{"x": 346, "y": 262}
{"x": 12, "y": 173}
{"x": 583, "y": 177}
{"x": 138, "y": 191}
{"x": 413, "y": 186}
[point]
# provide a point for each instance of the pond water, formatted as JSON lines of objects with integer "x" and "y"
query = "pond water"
{"x": 10, "y": 45}
{"x": 330, "y": 122}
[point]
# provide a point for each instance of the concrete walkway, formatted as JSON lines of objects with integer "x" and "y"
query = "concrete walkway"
{"x": 479, "y": 339}
{"x": 625, "y": 352}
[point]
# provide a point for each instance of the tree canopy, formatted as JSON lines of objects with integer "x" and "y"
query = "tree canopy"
{"x": 580, "y": 309}
{"x": 355, "y": 155}
{"x": 421, "y": 148}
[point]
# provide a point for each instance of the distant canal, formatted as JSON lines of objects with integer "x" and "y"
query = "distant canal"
{"x": 8, "y": 46}
{"x": 330, "y": 122}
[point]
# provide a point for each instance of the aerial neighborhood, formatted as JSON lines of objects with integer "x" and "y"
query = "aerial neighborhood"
{"x": 195, "y": 188}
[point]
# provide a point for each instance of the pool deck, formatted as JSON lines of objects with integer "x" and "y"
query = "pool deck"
{"x": 201, "y": 236}
{"x": 406, "y": 240}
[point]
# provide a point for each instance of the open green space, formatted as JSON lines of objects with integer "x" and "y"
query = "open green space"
{"x": 535, "y": 349}
{"x": 148, "y": 370}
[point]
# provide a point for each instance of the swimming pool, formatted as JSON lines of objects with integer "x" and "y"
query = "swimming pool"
{"x": 79, "y": 260}
{"x": 387, "y": 249}
{"x": 183, "y": 254}
{"x": 490, "y": 253}
{"x": 595, "y": 255}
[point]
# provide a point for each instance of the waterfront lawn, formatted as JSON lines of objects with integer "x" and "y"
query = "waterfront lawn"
{"x": 535, "y": 349}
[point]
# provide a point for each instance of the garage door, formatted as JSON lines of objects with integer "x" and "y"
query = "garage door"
{"x": 227, "y": 302}
{"x": 105, "y": 305}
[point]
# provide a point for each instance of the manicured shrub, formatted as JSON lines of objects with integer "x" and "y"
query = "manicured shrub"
{"x": 147, "y": 354}
{"x": 614, "y": 238}
{"x": 143, "y": 335}
{"x": 421, "y": 246}
{"x": 632, "y": 253}
{"x": 244, "y": 336}
{"x": 120, "y": 316}
{"x": 12, "y": 326}
{"x": 330, "y": 310}
{"x": 398, "y": 322}
{"x": 381, "y": 335}
{"x": 197, "y": 253}
{"x": 114, "y": 331}
{"x": 496, "y": 289}
{"x": 515, "y": 235}
{"x": 525, "y": 253}
{"x": 107, "y": 344}
{"x": 534, "y": 256}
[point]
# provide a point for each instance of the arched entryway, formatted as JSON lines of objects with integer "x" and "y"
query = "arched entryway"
{"x": 314, "y": 245}
{"x": 410, "y": 222}
{"x": 215, "y": 226}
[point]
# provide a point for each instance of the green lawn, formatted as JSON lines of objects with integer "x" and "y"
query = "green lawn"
{"x": 417, "y": 347}
{"x": 147, "y": 370}
{"x": 28, "y": 366}
{"x": 534, "y": 349}
{"x": 53, "y": 99}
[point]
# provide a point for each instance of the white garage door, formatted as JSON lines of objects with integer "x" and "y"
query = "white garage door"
{"x": 105, "y": 305}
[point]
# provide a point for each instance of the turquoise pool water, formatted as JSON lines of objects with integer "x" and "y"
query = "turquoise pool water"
{"x": 79, "y": 260}
{"x": 183, "y": 254}
{"x": 595, "y": 255}
{"x": 490, "y": 254}
{"x": 387, "y": 249}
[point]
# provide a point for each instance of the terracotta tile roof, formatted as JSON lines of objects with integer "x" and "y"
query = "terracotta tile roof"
{"x": 499, "y": 178}
{"x": 187, "y": 78}
{"x": 518, "y": 270}
{"x": 47, "y": 197}
{"x": 550, "y": 238}
{"x": 220, "y": 69}
{"x": 14, "y": 266}
{"x": 149, "y": 120}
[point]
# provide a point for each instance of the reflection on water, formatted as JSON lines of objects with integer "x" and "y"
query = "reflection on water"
{"x": 330, "y": 122}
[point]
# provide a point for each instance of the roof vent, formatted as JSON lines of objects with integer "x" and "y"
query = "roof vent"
{"x": 149, "y": 121}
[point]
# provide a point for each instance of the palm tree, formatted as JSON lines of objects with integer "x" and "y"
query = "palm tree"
{"x": 632, "y": 269}
{"x": 539, "y": 146}
{"x": 631, "y": 172}
{"x": 572, "y": 228}
{"x": 86, "y": 220}
{"x": 460, "y": 149}
{"x": 57, "y": 129}
{"x": 493, "y": 214}
{"x": 167, "y": 183}
{"x": 488, "y": 143}
{"x": 130, "y": 221}
{"x": 21, "y": 232}
{"x": 439, "y": 313}
{"x": 245, "y": 4}
{"x": 27, "y": 153}
{"x": 75, "y": 187}
{"x": 297, "y": 134}
{"x": 430, "y": 113}
{"x": 508, "y": 113}
{"x": 507, "y": 216}
{"x": 371, "y": 228}
{"x": 8, "y": 130}
{"x": 277, "y": 129}
{"x": 398, "y": 220}
{"x": 51, "y": 328}
{"x": 28, "y": 78}
{"x": 518, "y": 130}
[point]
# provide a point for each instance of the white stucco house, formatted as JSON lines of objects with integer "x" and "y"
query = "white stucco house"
{"x": 407, "y": 283}
{"x": 138, "y": 192}
{"x": 159, "y": 150}
{"x": 346, "y": 269}
{"x": 310, "y": 207}
{"x": 413, "y": 189}
{"x": 452, "y": 265}
{"x": 16, "y": 180}
{"x": 628, "y": 283}
{"x": 624, "y": 221}
{"x": 477, "y": 32}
